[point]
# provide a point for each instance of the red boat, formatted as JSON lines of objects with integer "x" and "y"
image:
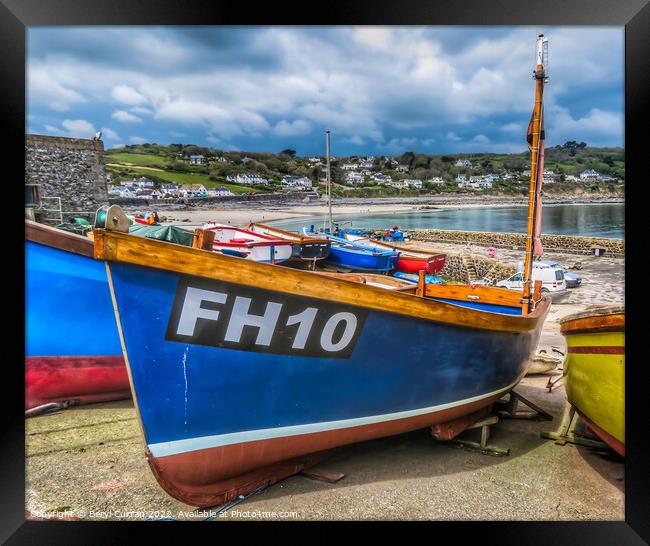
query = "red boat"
{"x": 410, "y": 260}
{"x": 72, "y": 346}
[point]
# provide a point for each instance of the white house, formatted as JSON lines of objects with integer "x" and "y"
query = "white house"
{"x": 436, "y": 180}
{"x": 354, "y": 178}
{"x": 589, "y": 174}
{"x": 571, "y": 178}
{"x": 197, "y": 159}
{"x": 221, "y": 159}
{"x": 402, "y": 168}
{"x": 248, "y": 179}
{"x": 193, "y": 190}
{"x": 169, "y": 187}
{"x": 314, "y": 160}
{"x": 221, "y": 191}
{"x": 415, "y": 183}
{"x": 382, "y": 178}
{"x": 463, "y": 163}
{"x": 296, "y": 182}
{"x": 349, "y": 166}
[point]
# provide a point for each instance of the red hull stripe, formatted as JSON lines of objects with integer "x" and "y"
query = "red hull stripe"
{"x": 606, "y": 437}
{"x": 83, "y": 379}
{"x": 212, "y": 476}
{"x": 599, "y": 350}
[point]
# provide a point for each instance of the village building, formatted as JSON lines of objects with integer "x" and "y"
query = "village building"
{"x": 355, "y": 178}
{"x": 382, "y": 178}
{"x": 436, "y": 180}
{"x": 349, "y": 167}
{"x": 589, "y": 174}
{"x": 221, "y": 191}
{"x": 193, "y": 190}
{"x": 402, "y": 168}
{"x": 247, "y": 179}
{"x": 197, "y": 160}
{"x": 415, "y": 183}
{"x": 296, "y": 182}
{"x": 463, "y": 163}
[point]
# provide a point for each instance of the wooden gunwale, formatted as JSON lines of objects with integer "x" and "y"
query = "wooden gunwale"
{"x": 479, "y": 294}
{"x": 407, "y": 252}
{"x": 114, "y": 246}
{"x": 57, "y": 238}
{"x": 593, "y": 323}
{"x": 296, "y": 237}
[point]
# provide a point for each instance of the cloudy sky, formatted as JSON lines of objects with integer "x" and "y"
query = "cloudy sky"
{"x": 381, "y": 90}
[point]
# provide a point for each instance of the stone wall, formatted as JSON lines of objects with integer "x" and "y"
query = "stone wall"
{"x": 69, "y": 168}
{"x": 560, "y": 243}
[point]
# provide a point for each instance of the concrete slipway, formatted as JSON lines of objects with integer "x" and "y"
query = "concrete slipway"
{"x": 87, "y": 462}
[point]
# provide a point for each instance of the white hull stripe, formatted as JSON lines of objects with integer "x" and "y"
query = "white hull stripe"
{"x": 164, "y": 449}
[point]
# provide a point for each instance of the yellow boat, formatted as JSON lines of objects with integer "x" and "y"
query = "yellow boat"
{"x": 594, "y": 371}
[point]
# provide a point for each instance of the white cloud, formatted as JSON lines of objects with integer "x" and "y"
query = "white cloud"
{"x": 482, "y": 139}
{"x": 362, "y": 83}
{"x": 297, "y": 127}
{"x": 124, "y": 116}
{"x": 137, "y": 140}
{"x": 43, "y": 87}
{"x": 110, "y": 134}
{"x": 374, "y": 37}
{"x": 128, "y": 95}
{"x": 79, "y": 128}
{"x": 597, "y": 127}
{"x": 53, "y": 129}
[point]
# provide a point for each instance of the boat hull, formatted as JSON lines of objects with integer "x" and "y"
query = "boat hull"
{"x": 594, "y": 371}
{"x": 361, "y": 261}
{"x": 414, "y": 264}
{"x": 223, "y": 415}
{"x": 72, "y": 347}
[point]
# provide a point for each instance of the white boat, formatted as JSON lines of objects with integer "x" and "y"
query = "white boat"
{"x": 234, "y": 241}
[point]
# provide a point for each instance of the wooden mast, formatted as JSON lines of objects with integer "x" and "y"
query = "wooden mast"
{"x": 329, "y": 179}
{"x": 534, "y": 137}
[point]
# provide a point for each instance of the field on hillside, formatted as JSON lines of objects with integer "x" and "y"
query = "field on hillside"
{"x": 137, "y": 159}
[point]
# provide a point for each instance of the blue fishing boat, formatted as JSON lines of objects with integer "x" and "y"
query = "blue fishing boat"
{"x": 244, "y": 373}
{"x": 356, "y": 256}
{"x": 72, "y": 348}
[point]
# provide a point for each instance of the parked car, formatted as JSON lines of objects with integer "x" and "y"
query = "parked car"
{"x": 552, "y": 278}
{"x": 573, "y": 280}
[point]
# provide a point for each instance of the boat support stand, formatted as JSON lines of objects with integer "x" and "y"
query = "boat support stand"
{"x": 509, "y": 409}
{"x": 567, "y": 433}
{"x": 482, "y": 446}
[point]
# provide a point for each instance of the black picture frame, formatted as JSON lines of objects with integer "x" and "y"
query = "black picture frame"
{"x": 16, "y": 15}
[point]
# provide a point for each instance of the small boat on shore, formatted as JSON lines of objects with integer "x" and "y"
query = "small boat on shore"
{"x": 410, "y": 260}
{"x": 357, "y": 257}
{"x": 243, "y": 243}
{"x": 309, "y": 249}
{"x": 244, "y": 373}
{"x": 72, "y": 347}
{"x": 594, "y": 371}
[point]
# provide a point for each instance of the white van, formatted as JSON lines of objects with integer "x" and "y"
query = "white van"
{"x": 552, "y": 279}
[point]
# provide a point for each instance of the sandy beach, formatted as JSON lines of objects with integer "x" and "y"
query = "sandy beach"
{"x": 240, "y": 213}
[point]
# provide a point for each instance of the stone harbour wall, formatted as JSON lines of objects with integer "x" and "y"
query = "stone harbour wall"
{"x": 560, "y": 243}
{"x": 69, "y": 168}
